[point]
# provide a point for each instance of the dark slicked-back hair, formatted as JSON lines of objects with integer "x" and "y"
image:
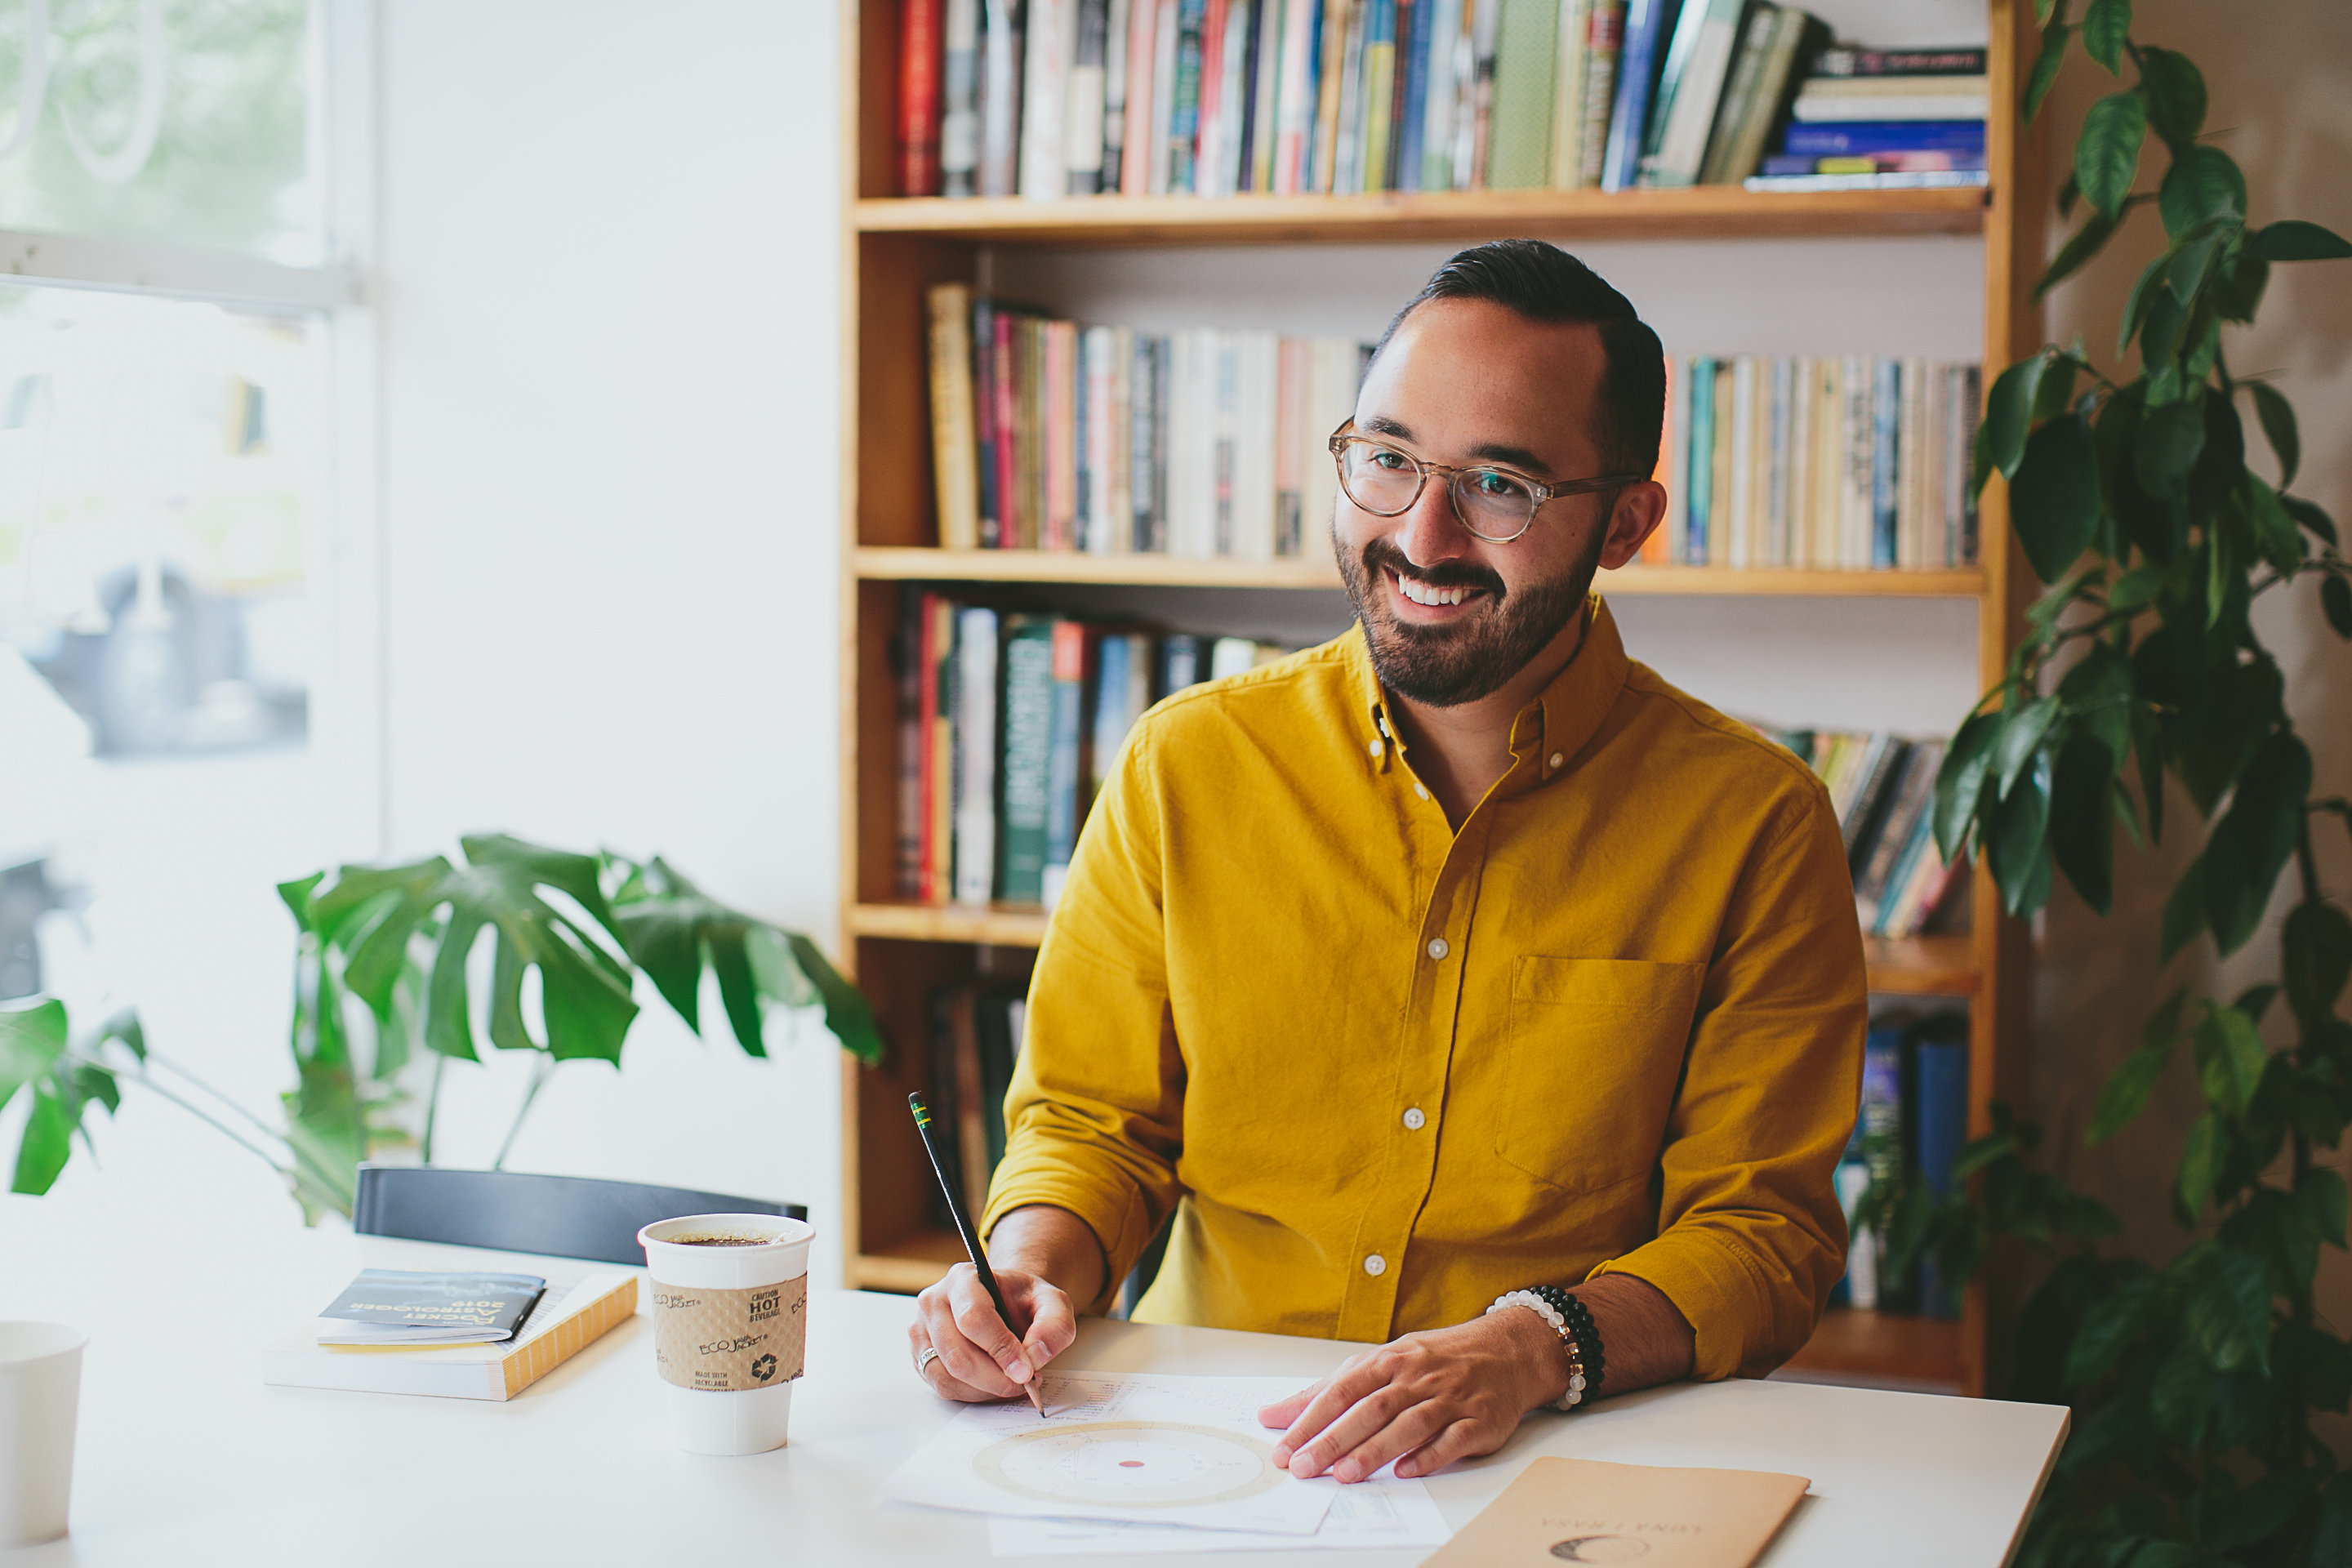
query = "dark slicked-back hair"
{"x": 1545, "y": 283}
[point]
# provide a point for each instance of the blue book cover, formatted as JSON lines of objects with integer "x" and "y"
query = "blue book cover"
{"x": 1063, "y": 747}
{"x": 1845, "y": 138}
{"x": 1885, "y": 458}
{"x": 1940, "y": 1117}
{"x": 1699, "y": 481}
{"x": 1647, "y": 25}
{"x": 1415, "y": 64}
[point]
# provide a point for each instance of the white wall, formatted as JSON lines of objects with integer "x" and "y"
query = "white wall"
{"x": 608, "y": 291}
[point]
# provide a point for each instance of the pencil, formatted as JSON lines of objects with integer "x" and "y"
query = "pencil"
{"x": 1034, "y": 1387}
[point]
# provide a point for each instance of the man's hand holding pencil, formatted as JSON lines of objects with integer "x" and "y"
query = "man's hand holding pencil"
{"x": 979, "y": 1357}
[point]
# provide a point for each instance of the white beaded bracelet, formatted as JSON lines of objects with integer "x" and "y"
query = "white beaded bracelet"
{"x": 1551, "y": 1314}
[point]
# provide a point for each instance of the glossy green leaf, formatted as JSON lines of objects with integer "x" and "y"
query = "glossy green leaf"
{"x": 2321, "y": 1199}
{"x": 2229, "y": 1059}
{"x": 2182, "y": 1394}
{"x": 2201, "y": 1166}
{"x": 2310, "y": 518}
{"x": 2239, "y": 291}
{"x": 2220, "y": 722}
{"x": 846, "y": 1013}
{"x": 2015, "y": 841}
{"x": 2264, "y": 819}
{"x": 2167, "y": 447}
{"x": 2055, "y": 496}
{"x": 2316, "y": 953}
{"x": 2230, "y": 1311}
{"x": 2105, "y": 26}
{"x": 2335, "y": 602}
{"x": 2045, "y": 73}
{"x": 2331, "y": 1534}
{"x": 2159, "y": 342}
{"x": 2081, "y": 245}
{"x": 2082, "y": 829}
{"x": 2142, "y": 298}
{"x": 2107, "y": 1328}
{"x": 2187, "y": 273}
{"x": 2277, "y": 416}
{"x": 2009, "y": 409}
{"x": 45, "y": 1144}
{"x": 2097, "y": 697}
{"x": 2147, "y": 750}
{"x": 2292, "y": 239}
{"x": 2175, "y": 94}
{"x": 2106, "y": 154}
{"x": 1959, "y": 782}
{"x": 31, "y": 1038}
{"x": 2124, "y": 1094}
{"x": 2022, "y": 727}
{"x": 2203, "y": 183}
{"x": 2273, "y": 532}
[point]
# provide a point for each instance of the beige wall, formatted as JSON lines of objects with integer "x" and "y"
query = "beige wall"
{"x": 2280, "y": 79}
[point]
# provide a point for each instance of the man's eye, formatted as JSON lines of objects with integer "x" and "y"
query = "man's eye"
{"x": 1494, "y": 483}
{"x": 1395, "y": 462}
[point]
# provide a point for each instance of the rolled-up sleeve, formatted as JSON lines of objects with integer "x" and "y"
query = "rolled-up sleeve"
{"x": 1750, "y": 1237}
{"x": 1094, "y": 1114}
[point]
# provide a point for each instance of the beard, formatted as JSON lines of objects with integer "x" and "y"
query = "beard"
{"x": 1473, "y": 656}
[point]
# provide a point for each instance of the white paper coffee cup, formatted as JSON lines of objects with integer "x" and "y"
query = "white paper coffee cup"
{"x": 41, "y": 1384}
{"x": 727, "y": 1327}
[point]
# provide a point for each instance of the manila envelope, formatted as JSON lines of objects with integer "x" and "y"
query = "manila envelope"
{"x": 1583, "y": 1510}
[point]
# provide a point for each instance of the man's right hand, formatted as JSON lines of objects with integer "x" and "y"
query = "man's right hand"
{"x": 979, "y": 1358}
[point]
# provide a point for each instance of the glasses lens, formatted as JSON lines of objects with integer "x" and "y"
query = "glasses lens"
{"x": 1493, "y": 502}
{"x": 1379, "y": 478}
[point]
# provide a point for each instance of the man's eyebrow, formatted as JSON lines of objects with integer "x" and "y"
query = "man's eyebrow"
{"x": 1486, "y": 452}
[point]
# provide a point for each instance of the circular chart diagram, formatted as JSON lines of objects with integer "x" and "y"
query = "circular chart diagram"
{"x": 1128, "y": 1464}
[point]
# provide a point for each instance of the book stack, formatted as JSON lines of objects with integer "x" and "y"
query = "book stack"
{"x": 1853, "y": 462}
{"x": 1914, "y": 1116}
{"x": 1215, "y": 98}
{"x": 1008, "y": 723}
{"x": 1047, "y": 435}
{"x": 1883, "y": 788}
{"x": 1885, "y": 117}
{"x": 976, "y": 1034}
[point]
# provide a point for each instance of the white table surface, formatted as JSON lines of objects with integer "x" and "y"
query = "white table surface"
{"x": 185, "y": 1457}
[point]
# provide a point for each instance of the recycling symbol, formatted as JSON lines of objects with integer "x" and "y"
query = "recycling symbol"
{"x": 764, "y": 1368}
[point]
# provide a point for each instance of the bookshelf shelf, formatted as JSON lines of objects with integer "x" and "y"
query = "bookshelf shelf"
{"x": 894, "y": 250}
{"x": 1701, "y": 212}
{"x": 1885, "y": 1347}
{"x": 925, "y": 565}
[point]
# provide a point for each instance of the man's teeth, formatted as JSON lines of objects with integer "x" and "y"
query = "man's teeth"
{"x": 1422, "y": 594}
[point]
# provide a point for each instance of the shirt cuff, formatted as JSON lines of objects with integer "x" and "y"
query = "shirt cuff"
{"x": 1721, "y": 1294}
{"x": 1121, "y": 1225}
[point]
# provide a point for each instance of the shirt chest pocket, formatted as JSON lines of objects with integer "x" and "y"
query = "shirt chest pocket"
{"x": 1589, "y": 1066}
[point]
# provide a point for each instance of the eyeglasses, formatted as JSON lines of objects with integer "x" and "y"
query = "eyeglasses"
{"x": 1494, "y": 504}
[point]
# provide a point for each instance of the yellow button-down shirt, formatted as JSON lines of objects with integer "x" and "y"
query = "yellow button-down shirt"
{"x": 1382, "y": 1071}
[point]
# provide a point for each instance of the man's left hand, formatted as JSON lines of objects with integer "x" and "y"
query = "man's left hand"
{"x": 1424, "y": 1400}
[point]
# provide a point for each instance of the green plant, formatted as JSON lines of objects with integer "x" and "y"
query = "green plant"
{"x": 2193, "y": 1382}
{"x": 383, "y": 976}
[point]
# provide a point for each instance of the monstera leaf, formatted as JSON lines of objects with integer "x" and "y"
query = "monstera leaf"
{"x": 671, "y": 928}
{"x": 63, "y": 1079}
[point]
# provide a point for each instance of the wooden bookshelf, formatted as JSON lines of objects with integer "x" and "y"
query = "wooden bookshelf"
{"x": 924, "y": 564}
{"x": 892, "y": 249}
{"x": 1702, "y": 212}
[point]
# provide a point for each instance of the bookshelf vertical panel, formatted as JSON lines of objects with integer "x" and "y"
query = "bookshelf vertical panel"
{"x": 876, "y": 803}
{"x": 895, "y": 1177}
{"x": 894, "y": 423}
{"x": 873, "y": 123}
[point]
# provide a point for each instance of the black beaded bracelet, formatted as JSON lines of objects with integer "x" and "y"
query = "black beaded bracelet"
{"x": 1579, "y": 1318}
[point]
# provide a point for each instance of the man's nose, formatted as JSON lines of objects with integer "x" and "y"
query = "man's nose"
{"x": 1430, "y": 530}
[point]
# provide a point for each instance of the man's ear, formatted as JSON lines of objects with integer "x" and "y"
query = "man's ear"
{"x": 1638, "y": 510}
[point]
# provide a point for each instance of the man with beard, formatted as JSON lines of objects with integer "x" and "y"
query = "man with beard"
{"x": 1457, "y": 985}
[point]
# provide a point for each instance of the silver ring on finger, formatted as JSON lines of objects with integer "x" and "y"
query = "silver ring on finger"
{"x": 923, "y": 1362}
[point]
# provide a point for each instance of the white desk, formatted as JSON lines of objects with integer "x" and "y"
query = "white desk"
{"x": 186, "y": 1457}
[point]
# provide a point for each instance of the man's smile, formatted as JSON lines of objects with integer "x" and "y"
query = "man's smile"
{"x": 1425, "y": 603}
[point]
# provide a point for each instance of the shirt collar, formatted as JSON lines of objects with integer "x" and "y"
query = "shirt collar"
{"x": 1563, "y": 716}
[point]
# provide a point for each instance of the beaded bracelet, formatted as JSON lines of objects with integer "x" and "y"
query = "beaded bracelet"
{"x": 1572, "y": 1321}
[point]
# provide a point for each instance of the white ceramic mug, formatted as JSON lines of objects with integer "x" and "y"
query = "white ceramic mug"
{"x": 763, "y": 1284}
{"x": 41, "y": 1384}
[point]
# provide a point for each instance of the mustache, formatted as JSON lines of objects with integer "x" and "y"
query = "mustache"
{"x": 1380, "y": 555}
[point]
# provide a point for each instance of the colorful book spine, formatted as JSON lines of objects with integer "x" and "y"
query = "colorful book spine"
{"x": 975, "y": 756}
{"x": 960, "y": 101}
{"x": 1082, "y": 116}
{"x": 1066, "y": 770}
{"x": 1000, "y": 96}
{"x": 1648, "y": 24}
{"x": 920, "y": 26}
{"x": 1886, "y": 461}
{"x": 1837, "y": 140}
{"x": 1603, "y": 47}
{"x": 1184, "y": 103}
{"x": 955, "y": 457}
{"x": 1022, "y": 811}
{"x": 1527, "y": 54}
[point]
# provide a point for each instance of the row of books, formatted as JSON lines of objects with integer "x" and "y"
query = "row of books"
{"x": 1883, "y": 788}
{"x": 976, "y": 1034}
{"x": 1049, "y": 99}
{"x": 1047, "y": 435}
{"x": 1914, "y": 116}
{"x": 1913, "y": 1115}
{"x": 1007, "y": 722}
{"x": 1819, "y": 461}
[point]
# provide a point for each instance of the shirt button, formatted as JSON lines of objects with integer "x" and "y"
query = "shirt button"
{"x": 1421, "y": 790}
{"x": 1437, "y": 948}
{"x": 1374, "y": 747}
{"x": 1376, "y": 1265}
{"x": 1557, "y": 759}
{"x": 1414, "y": 1120}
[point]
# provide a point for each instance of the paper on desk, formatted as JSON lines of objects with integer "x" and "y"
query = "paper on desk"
{"x": 1141, "y": 1448}
{"x": 1375, "y": 1514}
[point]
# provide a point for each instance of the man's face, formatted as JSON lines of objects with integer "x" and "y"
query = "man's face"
{"x": 1468, "y": 381}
